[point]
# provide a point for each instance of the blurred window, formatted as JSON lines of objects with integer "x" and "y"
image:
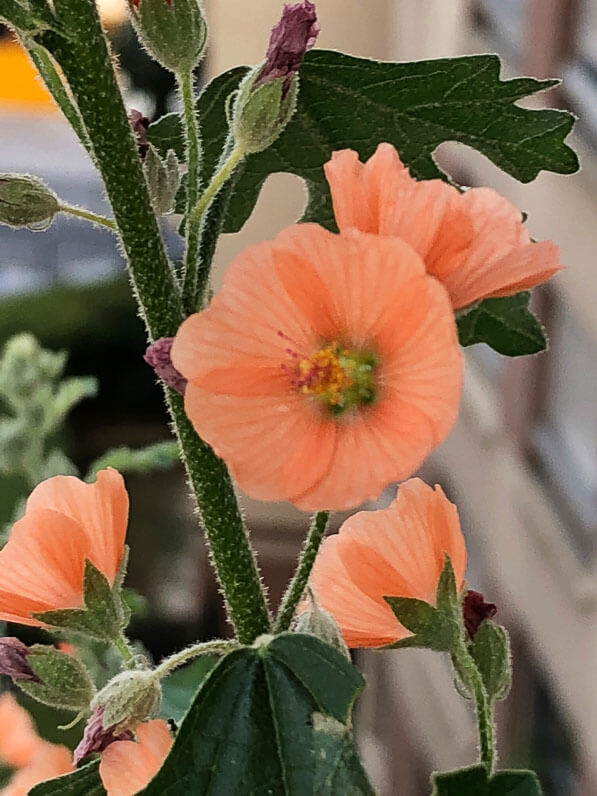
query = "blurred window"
{"x": 563, "y": 438}
{"x": 580, "y": 72}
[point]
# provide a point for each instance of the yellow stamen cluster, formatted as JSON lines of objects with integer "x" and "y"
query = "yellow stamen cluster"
{"x": 325, "y": 373}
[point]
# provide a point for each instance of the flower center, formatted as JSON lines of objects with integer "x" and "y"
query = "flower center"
{"x": 340, "y": 378}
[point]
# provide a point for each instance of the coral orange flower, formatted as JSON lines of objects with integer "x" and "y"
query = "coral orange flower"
{"x": 18, "y": 738}
{"x": 50, "y": 761}
{"x": 66, "y": 522}
{"x": 326, "y": 368}
{"x": 474, "y": 242}
{"x": 395, "y": 552}
{"x": 128, "y": 766}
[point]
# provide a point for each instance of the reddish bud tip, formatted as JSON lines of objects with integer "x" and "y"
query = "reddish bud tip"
{"x": 13, "y": 660}
{"x": 96, "y": 737}
{"x": 291, "y": 37}
{"x": 158, "y": 356}
{"x": 476, "y": 611}
{"x": 139, "y": 124}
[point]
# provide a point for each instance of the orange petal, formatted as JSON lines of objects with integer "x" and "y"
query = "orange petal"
{"x": 100, "y": 509}
{"x": 394, "y": 552}
{"x": 127, "y": 767}
{"x": 50, "y": 761}
{"x": 19, "y": 740}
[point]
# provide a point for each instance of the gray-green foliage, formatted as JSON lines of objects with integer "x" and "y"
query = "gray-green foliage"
{"x": 35, "y": 402}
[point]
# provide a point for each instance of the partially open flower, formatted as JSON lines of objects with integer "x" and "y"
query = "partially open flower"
{"x": 66, "y": 522}
{"x": 474, "y": 242}
{"x": 326, "y": 368}
{"x": 395, "y": 552}
{"x": 127, "y": 766}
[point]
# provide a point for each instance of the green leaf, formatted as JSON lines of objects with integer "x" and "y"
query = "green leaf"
{"x": 338, "y": 769}
{"x": 84, "y": 781}
{"x": 157, "y": 456}
{"x": 473, "y": 782}
{"x": 65, "y": 682}
{"x": 179, "y": 688}
{"x": 432, "y": 628}
{"x": 250, "y": 728}
{"x": 347, "y": 102}
{"x": 505, "y": 324}
{"x": 490, "y": 650}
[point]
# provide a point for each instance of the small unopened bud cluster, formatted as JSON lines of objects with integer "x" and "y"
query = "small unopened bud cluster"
{"x": 26, "y": 201}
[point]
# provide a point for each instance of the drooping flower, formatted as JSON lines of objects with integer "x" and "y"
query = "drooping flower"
{"x": 96, "y": 737}
{"x": 326, "y": 368}
{"x": 394, "y": 552}
{"x": 66, "y": 522}
{"x": 474, "y": 242}
{"x": 21, "y": 748}
{"x": 126, "y": 767}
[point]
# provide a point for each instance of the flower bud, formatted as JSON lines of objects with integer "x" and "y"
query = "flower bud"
{"x": 475, "y": 611}
{"x": 26, "y": 201}
{"x": 158, "y": 355}
{"x": 13, "y": 660}
{"x": 128, "y": 699}
{"x": 266, "y": 98}
{"x": 96, "y": 737}
{"x": 163, "y": 179}
{"x": 173, "y": 32}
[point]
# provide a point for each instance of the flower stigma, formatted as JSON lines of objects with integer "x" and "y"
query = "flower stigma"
{"x": 339, "y": 377}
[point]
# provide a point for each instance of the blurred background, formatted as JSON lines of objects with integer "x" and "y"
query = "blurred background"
{"x": 521, "y": 464}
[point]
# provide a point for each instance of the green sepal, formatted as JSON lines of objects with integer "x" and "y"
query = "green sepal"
{"x": 474, "y": 781}
{"x": 102, "y": 616}
{"x": 490, "y": 650}
{"x": 163, "y": 179}
{"x": 65, "y": 682}
{"x": 505, "y": 324}
{"x": 436, "y": 627}
{"x": 259, "y": 115}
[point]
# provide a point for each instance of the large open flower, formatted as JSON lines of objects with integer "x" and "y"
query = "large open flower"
{"x": 326, "y": 368}
{"x": 474, "y": 242}
{"x": 394, "y": 552}
{"x": 66, "y": 522}
{"x": 127, "y": 767}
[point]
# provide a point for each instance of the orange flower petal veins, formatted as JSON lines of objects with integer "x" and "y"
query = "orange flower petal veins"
{"x": 394, "y": 552}
{"x": 281, "y": 302}
{"x": 128, "y": 766}
{"x": 474, "y": 242}
{"x": 66, "y": 521}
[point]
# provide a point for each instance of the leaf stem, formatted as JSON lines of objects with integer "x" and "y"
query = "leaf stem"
{"x": 123, "y": 648}
{"x": 79, "y": 212}
{"x": 193, "y": 152}
{"x": 192, "y": 290}
{"x": 218, "y": 647}
{"x": 483, "y": 706}
{"x": 301, "y": 576}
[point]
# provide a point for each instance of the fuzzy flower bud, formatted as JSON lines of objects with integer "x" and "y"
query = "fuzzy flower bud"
{"x": 129, "y": 699}
{"x": 173, "y": 32}
{"x": 475, "y": 611}
{"x": 158, "y": 356}
{"x": 13, "y": 660}
{"x": 26, "y": 201}
{"x": 266, "y": 98}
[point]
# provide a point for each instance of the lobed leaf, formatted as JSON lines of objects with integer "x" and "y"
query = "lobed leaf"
{"x": 505, "y": 324}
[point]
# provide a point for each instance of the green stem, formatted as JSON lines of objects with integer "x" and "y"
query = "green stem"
{"x": 86, "y": 62}
{"x": 88, "y": 216}
{"x": 123, "y": 648}
{"x": 483, "y": 706}
{"x": 196, "y": 283}
{"x": 218, "y": 647}
{"x": 301, "y": 576}
{"x": 45, "y": 66}
{"x": 193, "y": 152}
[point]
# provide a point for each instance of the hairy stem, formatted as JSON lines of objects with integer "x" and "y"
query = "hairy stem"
{"x": 218, "y": 647}
{"x": 483, "y": 706}
{"x": 123, "y": 648}
{"x": 86, "y": 62}
{"x": 301, "y": 576}
{"x": 193, "y": 150}
{"x": 79, "y": 212}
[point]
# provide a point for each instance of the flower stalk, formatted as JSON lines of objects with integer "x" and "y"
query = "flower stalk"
{"x": 218, "y": 647}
